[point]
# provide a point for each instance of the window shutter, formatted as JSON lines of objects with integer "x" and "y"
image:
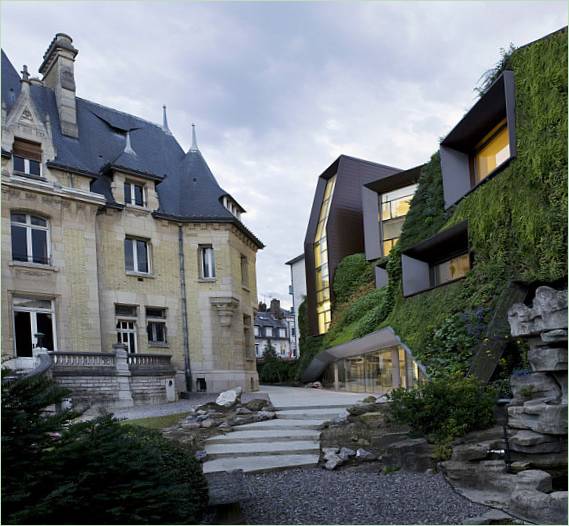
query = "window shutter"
{"x": 27, "y": 149}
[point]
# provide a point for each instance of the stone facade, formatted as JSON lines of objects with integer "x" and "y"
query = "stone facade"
{"x": 85, "y": 276}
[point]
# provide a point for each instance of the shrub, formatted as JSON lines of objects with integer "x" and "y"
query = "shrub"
{"x": 56, "y": 471}
{"x": 444, "y": 408}
{"x": 352, "y": 272}
{"x": 274, "y": 370}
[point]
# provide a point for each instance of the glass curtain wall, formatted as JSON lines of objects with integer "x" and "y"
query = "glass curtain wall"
{"x": 392, "y": 211}
{"x": 323, "y": 305}
{"x": 374, "y": 372}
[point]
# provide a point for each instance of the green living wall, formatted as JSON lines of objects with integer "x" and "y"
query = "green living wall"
{"x": 517, "y": 225}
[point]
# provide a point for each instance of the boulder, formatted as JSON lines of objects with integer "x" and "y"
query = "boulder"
{"x": 190, "y": 425}
{"x": 360, "y": 409}
{"x": 230, "y": 397}
{"x": 476, "y": 451}
{"x": 538, "y": 507}
{"x": 555, "y": 336}
{"x": 369, "y": 400}
{"x": 257, "y": 404}
{"x": 333, "y": 462}
{"x": 536, "y": 385}
{"x": 526, "y": 441}
{"x": 410, "y": 455}
{"x": 364, "y": 455}
{"x": 548, "y": 358}
{"x": 208, "y": 423}
{"x": 243, "y": 411}
{"x": 546, "y": 418}
{"x": 533, "y": 479}
{"x": 224, "y": 426}
{"x": 372, "y": 420}
{"x": 265, "y": 415}
{"x": 329, "y": 451}
{"x": 346, "y": 453}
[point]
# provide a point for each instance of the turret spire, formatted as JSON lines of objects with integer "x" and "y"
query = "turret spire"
{"x": 165, "y": 120}
{"x": 194, "y": 147}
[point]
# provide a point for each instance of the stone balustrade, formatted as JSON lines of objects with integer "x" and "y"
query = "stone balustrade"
{"x": 149, "y": 361}
{"x": 64, "y": 359}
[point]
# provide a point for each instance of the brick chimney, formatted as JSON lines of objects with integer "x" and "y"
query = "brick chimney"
{"x": 57, "y": 69}
{"x": 276, "y": 308}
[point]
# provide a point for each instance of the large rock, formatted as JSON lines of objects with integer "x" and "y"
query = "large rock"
{"x": 257, "y": 404}
{"x": 541, "y": 508}
{"x": 410, "y": 455}
{"x": 476, "y": 450}
{"x": 548, "y": 359}
{"x": 526, "y": 441}
{"x": 533, "y": 479}
{"x": 555, "y": 336}
{"x": 346, "y": 453}
{"x": 372, "y": 420}
{"x": 536, "y": 385}
{"x": 549, "y": 312}
{"x": 540, "y": 417}
{"x": 360, "y": 409}
{"x": 364, "y": 455}
{"x": 229, "y": 398}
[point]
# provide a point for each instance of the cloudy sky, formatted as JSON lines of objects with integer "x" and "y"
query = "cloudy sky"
{"x": 279, "y": 90}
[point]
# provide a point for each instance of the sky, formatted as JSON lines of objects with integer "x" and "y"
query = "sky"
{"x": 278, "y": 90}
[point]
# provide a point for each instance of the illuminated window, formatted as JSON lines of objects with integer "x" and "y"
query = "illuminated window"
{"x": 492, "y": 151}
{"x": 450, "y": 270}
{"x": 394, "y": 208}
{"x": 323, "y": 305}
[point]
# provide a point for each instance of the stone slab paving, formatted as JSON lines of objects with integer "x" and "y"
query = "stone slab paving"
{"x": 265, "y": 435}
{"x": 316, "y": 413}
{"x": 288, "y": 423}
{"x": 278, "y": 448}
{"x": 260, "y": 463}
{"x": 304, "y": 397}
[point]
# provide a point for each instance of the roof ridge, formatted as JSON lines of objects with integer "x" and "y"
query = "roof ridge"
{"x": 369, "y": 162}
{"x": 121, "y": 112}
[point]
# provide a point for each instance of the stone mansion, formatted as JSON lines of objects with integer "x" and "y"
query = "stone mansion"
{"x": 111, "y": 233}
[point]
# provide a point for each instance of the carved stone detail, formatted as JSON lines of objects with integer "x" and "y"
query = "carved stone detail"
{"x": 225, "y": 308}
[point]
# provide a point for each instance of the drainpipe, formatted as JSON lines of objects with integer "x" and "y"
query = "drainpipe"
{"x": 185, "y": 330}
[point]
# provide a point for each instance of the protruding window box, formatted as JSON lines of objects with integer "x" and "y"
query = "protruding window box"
{"x": 482, "y": 143}
{"x": 442, "y": 259}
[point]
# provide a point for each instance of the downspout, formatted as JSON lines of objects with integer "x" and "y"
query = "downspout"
{"x": 185, "y": 330}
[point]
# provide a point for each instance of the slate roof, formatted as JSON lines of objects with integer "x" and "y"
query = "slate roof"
{"x": 266, "y": 319}
{"x": 187, "y": 189}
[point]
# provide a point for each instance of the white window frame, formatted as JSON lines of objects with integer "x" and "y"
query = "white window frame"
{"x": 33, "y": 320}
{"x": 126, "y": 331}
{"x": 206, "y": 255}
{"x": 282, "y": 333}
{"x": 269, "y": 332}
{"x": 26, "y": 167}
{"x": 256, "y": 330}
{"x": 133, "y": 240}
{"x": 132, "y": 193}
{"x": 29, "y": 227}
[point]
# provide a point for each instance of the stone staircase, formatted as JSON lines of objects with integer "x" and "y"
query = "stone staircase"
{"x": 292, "y": 439}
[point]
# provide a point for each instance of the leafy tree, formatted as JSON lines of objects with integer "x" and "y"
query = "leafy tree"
{"x": 57, "y": 471}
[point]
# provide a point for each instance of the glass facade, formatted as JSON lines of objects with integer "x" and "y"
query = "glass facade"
{"x": 323, "y": 304}
{"x": 374, "y": 372}
{"x": 491, "y": 151}
{"x": 393, "y": 208}
{"x": 450, "y": 270}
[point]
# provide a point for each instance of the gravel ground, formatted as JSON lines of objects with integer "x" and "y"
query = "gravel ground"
{"x": 354, "y": 495}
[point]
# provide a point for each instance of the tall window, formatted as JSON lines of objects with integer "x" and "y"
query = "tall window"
{"x": 268, "y": 332}
{"x": 256, "y": 330}
{"x": 33, "y": 317}
{"x": 393, "y": 209}
{"x": 282, "y": 333}
{"x": 156, "y": 325}
{"x": 207, "y": 262}
{"x": 30, "y": 238}
{"x": 136, "y": 255}
{"x": 323, "y": 305}
{"x": 126, "y": 326}
{"x": 492, "y": 151}
{"x": 133, "y": 194}
{"x": 26, "y": 157}
{"x": 450, "y": 270}
{"x": 244, "y": 271}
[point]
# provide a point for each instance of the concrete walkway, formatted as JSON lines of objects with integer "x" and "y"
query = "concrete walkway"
{"x": 290, "y": 440}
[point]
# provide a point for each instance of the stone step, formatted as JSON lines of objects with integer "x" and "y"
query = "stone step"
{"x": 234, "y": 449}
{"x": 283, "y": 424}
{"x": 259, "y": 463}
{"x": 295, "y": 407}
{"x": 264, "y": 435}
{"x": 307, "y": 414}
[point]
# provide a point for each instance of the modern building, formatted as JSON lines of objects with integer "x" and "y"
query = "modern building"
{"x": 385, "y": 203}
{"x": 297, "y": 290}
{"x": 335, "y": 230}
{"x": 113, "y": 233}
{"x": 272, "y": 329}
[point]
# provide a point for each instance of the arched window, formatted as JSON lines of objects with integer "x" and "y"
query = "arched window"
{"x": 30, "y": 238}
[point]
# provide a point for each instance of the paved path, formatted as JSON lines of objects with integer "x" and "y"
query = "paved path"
{"x": 290, "y": 440}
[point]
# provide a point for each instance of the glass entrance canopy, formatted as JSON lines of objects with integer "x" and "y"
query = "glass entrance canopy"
{"x": 376, "y": 372}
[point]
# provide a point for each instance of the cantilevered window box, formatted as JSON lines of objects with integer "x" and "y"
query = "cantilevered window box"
{"x": 441, "y": 259}
{"x": 482, "y": 143}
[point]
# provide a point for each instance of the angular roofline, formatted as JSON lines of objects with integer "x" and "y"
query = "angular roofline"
{"x": 60, "y": 166}
{"x": 112, "y": 166}
{"x": 294, "y": 260}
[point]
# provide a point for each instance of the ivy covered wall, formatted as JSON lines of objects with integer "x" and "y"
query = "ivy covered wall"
{"x": 517, "y": 225}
